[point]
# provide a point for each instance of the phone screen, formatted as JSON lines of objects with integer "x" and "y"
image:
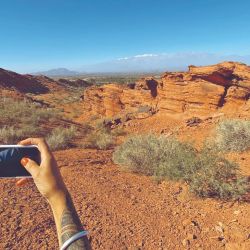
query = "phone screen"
{"x": 10, "y": 157}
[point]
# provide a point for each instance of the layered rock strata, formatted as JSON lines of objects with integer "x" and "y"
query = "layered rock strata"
{"x": 201, "y": 90}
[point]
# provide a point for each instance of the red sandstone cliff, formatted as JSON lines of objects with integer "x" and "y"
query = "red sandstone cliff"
{"x": 201, "y": 90}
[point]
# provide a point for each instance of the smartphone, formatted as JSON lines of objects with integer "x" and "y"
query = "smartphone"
{"x": 10, "y": 160}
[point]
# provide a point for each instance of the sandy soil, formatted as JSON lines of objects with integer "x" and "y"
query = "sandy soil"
{"x": 122, "y": 211}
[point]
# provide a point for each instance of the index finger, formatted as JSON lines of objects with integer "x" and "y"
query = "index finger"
{"x": 40, "y": 143}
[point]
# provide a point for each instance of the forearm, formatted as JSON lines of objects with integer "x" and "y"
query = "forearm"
{"x": 67, "y": 221}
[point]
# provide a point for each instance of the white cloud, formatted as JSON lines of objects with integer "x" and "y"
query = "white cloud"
{"x": 145, "y": 55}
{"x": 123, "y": 58}
{"x": 137, "y": 56}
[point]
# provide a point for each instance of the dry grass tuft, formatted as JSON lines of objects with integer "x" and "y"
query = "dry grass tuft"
{"x": 233, "y": 135}
{"x": 99, "y": 137}
{"x": 60, "y": 138}
{"x": 21, "y": 118}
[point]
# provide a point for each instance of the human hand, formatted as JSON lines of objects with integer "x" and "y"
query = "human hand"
{"x": 47, "y": 176}
{"x": 50, "y": 184}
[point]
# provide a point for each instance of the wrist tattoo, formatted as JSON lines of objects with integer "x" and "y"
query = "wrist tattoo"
{"x": 70, "y": 225}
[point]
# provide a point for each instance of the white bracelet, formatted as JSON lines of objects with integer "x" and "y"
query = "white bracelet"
{"x": 75, "y": 237}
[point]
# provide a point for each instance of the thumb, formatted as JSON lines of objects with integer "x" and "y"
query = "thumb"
{"x": 30, "y": 165}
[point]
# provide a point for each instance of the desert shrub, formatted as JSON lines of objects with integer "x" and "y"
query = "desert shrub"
{"x": 215, "y": 176}
{"x": 109, "y": 126}
{"x": 99, "y": 140}
{"x": 207, "y": 172}
{"x": 99, "y": 136}
{"x": 118, "y": 132}
{"x": 23, "y": 111}
{"x": 23, "y": 119}
{"x": 163, "y": 157}
{"x": 144, "y": 109}
{"x": 9, "y": 135}
{"x": 101, "y": 125}
{"x": 60, "y": 138}
{"x": 233, "y": 135}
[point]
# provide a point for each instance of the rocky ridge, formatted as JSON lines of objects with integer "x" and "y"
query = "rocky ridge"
{"x": 10, "y": 80}
{"x": 201, "y": 90}
{"x": 35, "y": 84}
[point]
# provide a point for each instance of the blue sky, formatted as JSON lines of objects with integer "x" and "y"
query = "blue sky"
{"x": 43, "y": 34}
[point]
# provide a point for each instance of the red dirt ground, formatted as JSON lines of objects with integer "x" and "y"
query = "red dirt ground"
{"x": 122, "y": 211}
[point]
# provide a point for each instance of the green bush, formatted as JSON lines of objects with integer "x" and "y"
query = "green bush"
{"x": 208, "y": 173}
{"x": 233, "y": 135}
{"x": 99, "y": 140}
{"x": 60, "y": 138}
{"x": 217, "y": 177}
{"x": 99, "y": 136}
{"x": 161, "y": 156}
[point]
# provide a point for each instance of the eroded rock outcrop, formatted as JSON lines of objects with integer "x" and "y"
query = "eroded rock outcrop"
{"x": 112, "y": 99}
{"x": 201, "y": 90}
{"x": 21, "y": 83}
{"x": 181, "y": 94}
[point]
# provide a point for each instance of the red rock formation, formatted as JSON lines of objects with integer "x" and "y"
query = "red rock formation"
{"x": 27, "y": 83}
{"x": 20, "y": 83}
{"x": 148, "y": 84}
{"x": 201, "y": 90}
{"x": 111, "y": 99}
{"x": 179, "y": 94}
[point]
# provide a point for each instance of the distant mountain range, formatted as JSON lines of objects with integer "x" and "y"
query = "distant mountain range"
{"x": 150, "y": 63}
{"x": 57, "y": 72}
